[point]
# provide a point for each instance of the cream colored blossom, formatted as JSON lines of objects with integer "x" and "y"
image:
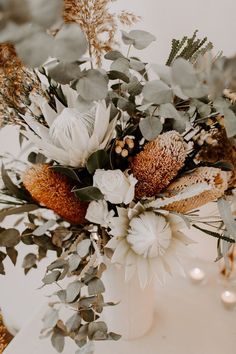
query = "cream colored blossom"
{"x": 147, "y": 243}
{"x": 116, "y": 186}
{"x": 98, "y": 213}
{"x": 72, "y": 136}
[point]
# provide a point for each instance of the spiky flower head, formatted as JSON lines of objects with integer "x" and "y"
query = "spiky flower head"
{"x": 215, "y": 179}
{"x": 53, "y": 190}
{"x": 158, "y": 163}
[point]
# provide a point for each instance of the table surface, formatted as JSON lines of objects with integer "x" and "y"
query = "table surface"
{"x": 190, "y": 319}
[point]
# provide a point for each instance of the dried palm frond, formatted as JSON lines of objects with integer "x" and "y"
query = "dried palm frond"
{"x": 97, "y": 22}
{"x": 188, "y": 48}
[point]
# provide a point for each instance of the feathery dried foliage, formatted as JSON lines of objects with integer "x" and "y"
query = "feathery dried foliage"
{"x": 188, "y": 48}
{"x": 53, "y": 190}
{"x": 98, "y": 23}
{"x": 16, "y": 84}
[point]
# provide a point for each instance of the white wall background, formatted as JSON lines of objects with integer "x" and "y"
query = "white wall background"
{"x": 173, "y": 19}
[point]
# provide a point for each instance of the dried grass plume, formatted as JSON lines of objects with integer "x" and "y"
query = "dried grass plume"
{"x": 97, "y": 22}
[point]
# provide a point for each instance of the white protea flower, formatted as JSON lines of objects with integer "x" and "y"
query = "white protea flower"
{"x": 72, "y": 135}
{"x": 148, "y": 243}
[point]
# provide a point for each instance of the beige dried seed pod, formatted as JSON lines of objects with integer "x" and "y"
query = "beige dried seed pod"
{"x": 213, "y": 177}
{"x": 158, "y": 163}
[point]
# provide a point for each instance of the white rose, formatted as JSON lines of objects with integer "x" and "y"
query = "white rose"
{"x": 98, "y": 213}
{"x": 116, "y": 186}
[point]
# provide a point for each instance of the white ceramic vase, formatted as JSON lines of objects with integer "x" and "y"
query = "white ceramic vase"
{"x": 133, "y": 316}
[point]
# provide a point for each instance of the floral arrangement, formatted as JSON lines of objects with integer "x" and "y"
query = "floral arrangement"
{"x": 124, "y": 156}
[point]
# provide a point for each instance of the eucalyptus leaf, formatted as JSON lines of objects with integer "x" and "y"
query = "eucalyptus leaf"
{"x": 2, "y": 256}
{"x": 95, "y": 286}
{"x": 12, "y": 254}
{"x": 168, "y": 110}
{"x": 88, "y": 348}
{"x": 29, "y": 261}
{"x": 92, "y": 86}
{"x": 134, "y": 87}
{"x": 157, "y": 92}
{"x": 17, "y": 210}
{"x": 58, "y": 340}
{"x": 2, "y": 270}
{"x": 113, "y": 55}
{"x": 35, "y": 49}
{"x": 73, "y": 291}
{"x": 74, "y": 262}
{"x": 98, "y": 160}
{"x": 57, "y": 264}
{"x": 88, "y": 193}
{"x": 45, "y": 13}
{"x": 88, "y": 315}
{"x": 121, "y": 65}
{"x": 67, "y": 171}
{"x": 136, "y": 65}
{"x": 9, "y": 238}
{"x": 16, "y": 10}
{"x": 97, "y": 330}
{"x": 227, "y": 216}
{"x": 230, "y": 122}
{"x": 61, "y": 295}
{"x": 117, "y": 75}
{"x": 73, "y": 323}
{"x": 51, "y": 277}
{"x": 150, "y": 127}
{"x": 64, "y": 73}
{"x": 138, "y": 38}
{"x": 163, "y": 72}
{"x": 15, "y": 190}
{"x": 50, "y": 318}
{"x": 114, "y": 336}
{"x": 39, "y": 231}
{"x": 70, "y": 43}
{"x": 184, "y": 74}
{"x": 83, "y": 247}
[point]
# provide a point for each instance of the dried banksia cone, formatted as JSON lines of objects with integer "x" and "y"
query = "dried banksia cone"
{"x": 223, "y": 150}
{"x": 216, "y": 179}
{"x": 5, "y": 336}
{"x": 53, "y": 190}
{"x": 158, "y": 163}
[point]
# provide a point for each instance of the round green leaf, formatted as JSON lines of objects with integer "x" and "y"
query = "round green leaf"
{"x": 92, "y": 86}
{"x": 150, "y": 127}
{"x": 9, "y": 238}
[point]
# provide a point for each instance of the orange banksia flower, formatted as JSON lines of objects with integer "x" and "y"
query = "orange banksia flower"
{"x": 5, "y": 336}
{"x": 53, "y": 190}
{"x": 223, "y": 150}
{"x": 215, "y": 178}
{"x": 158, "y": 163}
